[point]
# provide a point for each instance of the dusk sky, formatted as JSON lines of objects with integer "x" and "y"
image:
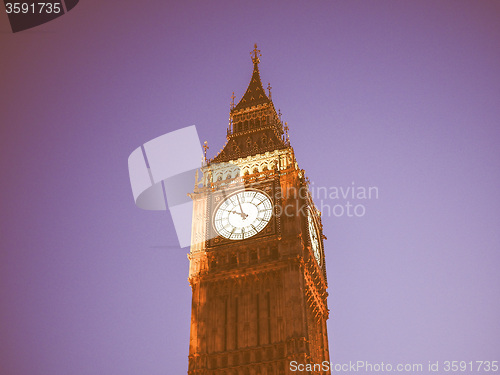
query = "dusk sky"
{"x": 403, "y": 96}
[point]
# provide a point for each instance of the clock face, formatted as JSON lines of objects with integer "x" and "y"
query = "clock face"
{"x": 243, "y": 214}
{"x": 313, "y": 235}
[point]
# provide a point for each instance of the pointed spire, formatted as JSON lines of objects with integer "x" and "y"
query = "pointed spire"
{"x": 255, "y": 93}
{"x": 254, "y": 124}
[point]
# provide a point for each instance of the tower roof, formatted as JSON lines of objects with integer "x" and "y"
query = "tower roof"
{"x": 254, "y": 125}
{"x": 255, "y": 93}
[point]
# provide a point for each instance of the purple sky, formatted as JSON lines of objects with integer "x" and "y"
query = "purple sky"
{"x": 400, "y": 95}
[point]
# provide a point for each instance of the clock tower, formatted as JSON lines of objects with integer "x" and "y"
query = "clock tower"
{"x": 257, "y": 265}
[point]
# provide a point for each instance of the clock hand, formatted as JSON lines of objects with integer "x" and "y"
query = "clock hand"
{"x": 243, "y": 215}
{"x": 239, "y": 213}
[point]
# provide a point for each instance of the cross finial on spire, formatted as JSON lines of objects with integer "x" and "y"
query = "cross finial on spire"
{"x": 232, "y": 100}
{"x": 269, "y": 89}
{"x": 255, "y": 54}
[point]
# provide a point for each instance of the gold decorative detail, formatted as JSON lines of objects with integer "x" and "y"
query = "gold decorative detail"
{"x": 255, "y": 54}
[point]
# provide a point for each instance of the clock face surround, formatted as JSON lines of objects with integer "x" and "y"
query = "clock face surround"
{"x": 313, "y": 236}
{"x": 243, "y": 214}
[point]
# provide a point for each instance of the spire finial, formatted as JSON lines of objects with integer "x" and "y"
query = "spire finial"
{"x": 232, "y": 100}
{"x": 255, "y": 54}
{"x": 205, "y": 148}
{"x": 269, "y": 89}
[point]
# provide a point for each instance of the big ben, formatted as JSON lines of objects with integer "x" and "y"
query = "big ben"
{"x": 257, "y": 264}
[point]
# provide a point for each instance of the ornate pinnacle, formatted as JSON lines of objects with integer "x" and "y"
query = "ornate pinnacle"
{"x": 286, "y": 133}
{"x": 232, "y": 100}
{"x": 255, "y": 54}
{"x": 269, "y": 89}
{"x": 205, "y": 148}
